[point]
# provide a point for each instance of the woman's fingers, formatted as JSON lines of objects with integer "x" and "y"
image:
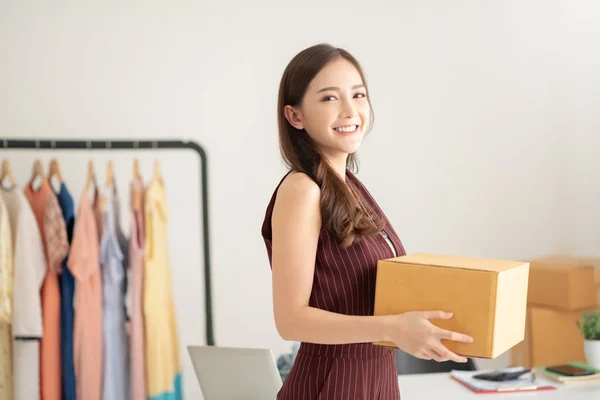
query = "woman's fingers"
{"x": 425, "y": 355}
{"x": 438, "y": 314}
{"x": 439, "y": 355}
{"x": 447, "y": 355}
{"x": 454, "y": 336}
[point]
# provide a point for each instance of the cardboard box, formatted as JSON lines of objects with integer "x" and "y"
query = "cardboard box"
{"x": 594, "y": 262}
{"x": 563, "y": 283}
{"x": 551, "y": 337}
{"x": 488, "y": 298}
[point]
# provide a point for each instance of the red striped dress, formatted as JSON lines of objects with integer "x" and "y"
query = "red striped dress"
{"x": 344, "y": 282}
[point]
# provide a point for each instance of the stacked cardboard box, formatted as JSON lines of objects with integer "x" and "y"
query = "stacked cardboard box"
{"x": 560, "y": 290}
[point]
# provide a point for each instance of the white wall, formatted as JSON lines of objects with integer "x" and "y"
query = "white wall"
{"x": 486, "y": 119}
{"x": 583, "y": 133}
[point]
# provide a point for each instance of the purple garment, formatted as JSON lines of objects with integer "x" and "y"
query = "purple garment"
{"x": 113, "y": 257}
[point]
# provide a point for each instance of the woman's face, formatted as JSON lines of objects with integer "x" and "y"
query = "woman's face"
{"x": 335, "y": 110}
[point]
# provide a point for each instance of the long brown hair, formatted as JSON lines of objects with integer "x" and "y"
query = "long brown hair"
{"x": 344, "y": 215}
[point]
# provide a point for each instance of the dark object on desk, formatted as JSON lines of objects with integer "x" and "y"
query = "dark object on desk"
{"x": 570, "y": 370}
{"x": 501, "y": 376}
{"x": 285, "y": 362}
{"x": 407, "y": 364}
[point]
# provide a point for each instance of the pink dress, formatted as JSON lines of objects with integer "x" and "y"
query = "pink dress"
{"x": 135, "y": 289}
{"x": 84, "y": 264}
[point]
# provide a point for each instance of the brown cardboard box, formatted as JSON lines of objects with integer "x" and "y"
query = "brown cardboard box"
{"x": 564, "y": 283}
{"x": 551, "y": 337}
{"x": 594, "y": 262}
{"x": 487, "y": 297}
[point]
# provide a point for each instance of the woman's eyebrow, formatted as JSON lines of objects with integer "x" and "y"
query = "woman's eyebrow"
{"x": 335, "y": 88}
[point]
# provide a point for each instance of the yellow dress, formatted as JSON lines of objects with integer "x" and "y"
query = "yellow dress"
{"x": 163, "y": 367}
{"x": 6, "y": 278}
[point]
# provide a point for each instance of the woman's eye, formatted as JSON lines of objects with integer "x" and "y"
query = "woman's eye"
{"x": 356, "y": 96}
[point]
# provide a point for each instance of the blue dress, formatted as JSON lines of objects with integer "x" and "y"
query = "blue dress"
{"x": 67, "y": 289}
{"x": 113, "y": 258}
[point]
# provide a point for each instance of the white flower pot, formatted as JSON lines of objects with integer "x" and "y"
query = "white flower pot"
{"x": 592, "y": 352}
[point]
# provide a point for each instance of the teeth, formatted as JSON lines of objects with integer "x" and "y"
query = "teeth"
{"x": 350, "y": 128}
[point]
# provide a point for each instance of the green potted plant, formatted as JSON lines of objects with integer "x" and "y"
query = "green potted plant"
{"x": 590, "y": 329}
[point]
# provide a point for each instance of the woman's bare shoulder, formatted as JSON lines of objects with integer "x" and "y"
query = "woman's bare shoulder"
{"x": 299, "y": 187}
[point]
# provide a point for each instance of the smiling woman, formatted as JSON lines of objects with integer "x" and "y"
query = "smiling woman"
{"x": 324, "y": 235}
{"x": 327, "y": 119}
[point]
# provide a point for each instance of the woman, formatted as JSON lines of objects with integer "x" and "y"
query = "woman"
{"x": 324, "y": 235}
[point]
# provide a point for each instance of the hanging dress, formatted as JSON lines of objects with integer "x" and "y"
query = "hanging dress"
{"x": 84, "y": 264}
{"x": 116, "y": 352}
{"x": 6, "y": 297}
{"x": 54, "y": 237}
{"x": 29, "y": 271}
{"x": 134, "y": 295}
{"x": 67, "y": 292}
{"x": 163, "y": 366}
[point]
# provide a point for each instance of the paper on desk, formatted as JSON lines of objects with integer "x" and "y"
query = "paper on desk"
{"x": 524, "y": 382}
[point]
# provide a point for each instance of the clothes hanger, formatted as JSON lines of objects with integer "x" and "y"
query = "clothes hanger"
{"x": 37, "y": 170}
{"x": 137, "y": 193}
{"x": 109, "y": 184}
{"x": 6, "y": 172}
{"x": 91, "y": 177}
{"x": 110, "y": 176}
{"x": 157, "y": 174}
{"x": 54, "y": 170}
{"x": 136, "y": 169}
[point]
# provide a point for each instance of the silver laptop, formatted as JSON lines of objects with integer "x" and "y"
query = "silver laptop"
{"x": 229, "y": 373}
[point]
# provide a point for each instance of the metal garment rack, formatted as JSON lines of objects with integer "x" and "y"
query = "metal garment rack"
{"x": 50, "y": 144}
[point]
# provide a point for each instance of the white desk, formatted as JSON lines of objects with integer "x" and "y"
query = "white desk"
{"x": 441, "y": 386}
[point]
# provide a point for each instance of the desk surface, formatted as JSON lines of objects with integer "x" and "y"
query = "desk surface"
{"x": 441, "y": 386}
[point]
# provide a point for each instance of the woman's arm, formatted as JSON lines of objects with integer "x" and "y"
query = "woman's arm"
{"x": 296, "y": 224}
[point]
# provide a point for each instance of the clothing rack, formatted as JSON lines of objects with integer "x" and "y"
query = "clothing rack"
{"x": 51, "y": 144}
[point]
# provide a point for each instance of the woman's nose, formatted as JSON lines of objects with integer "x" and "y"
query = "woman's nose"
{"x": 348, "y": 110}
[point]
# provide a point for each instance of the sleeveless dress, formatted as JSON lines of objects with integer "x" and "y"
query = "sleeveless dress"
{"x": 113, "y": 258}
{"x": 344, "y": 283}
{"x": 161, "y": 334}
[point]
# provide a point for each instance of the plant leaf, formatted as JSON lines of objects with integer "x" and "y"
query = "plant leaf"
{"x": 590, "y": 325}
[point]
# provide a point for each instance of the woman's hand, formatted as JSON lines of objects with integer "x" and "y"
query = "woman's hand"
{"x": 414, "y": 334}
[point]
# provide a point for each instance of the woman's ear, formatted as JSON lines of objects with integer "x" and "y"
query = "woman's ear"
{"x": 294, "y": 117}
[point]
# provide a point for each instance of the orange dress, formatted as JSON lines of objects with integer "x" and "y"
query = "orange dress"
{"x": 84, "y": 264}
{"x": 56, "y": 246}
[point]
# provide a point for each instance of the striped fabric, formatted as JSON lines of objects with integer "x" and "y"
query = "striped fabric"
{"x": 344, "y": 282}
